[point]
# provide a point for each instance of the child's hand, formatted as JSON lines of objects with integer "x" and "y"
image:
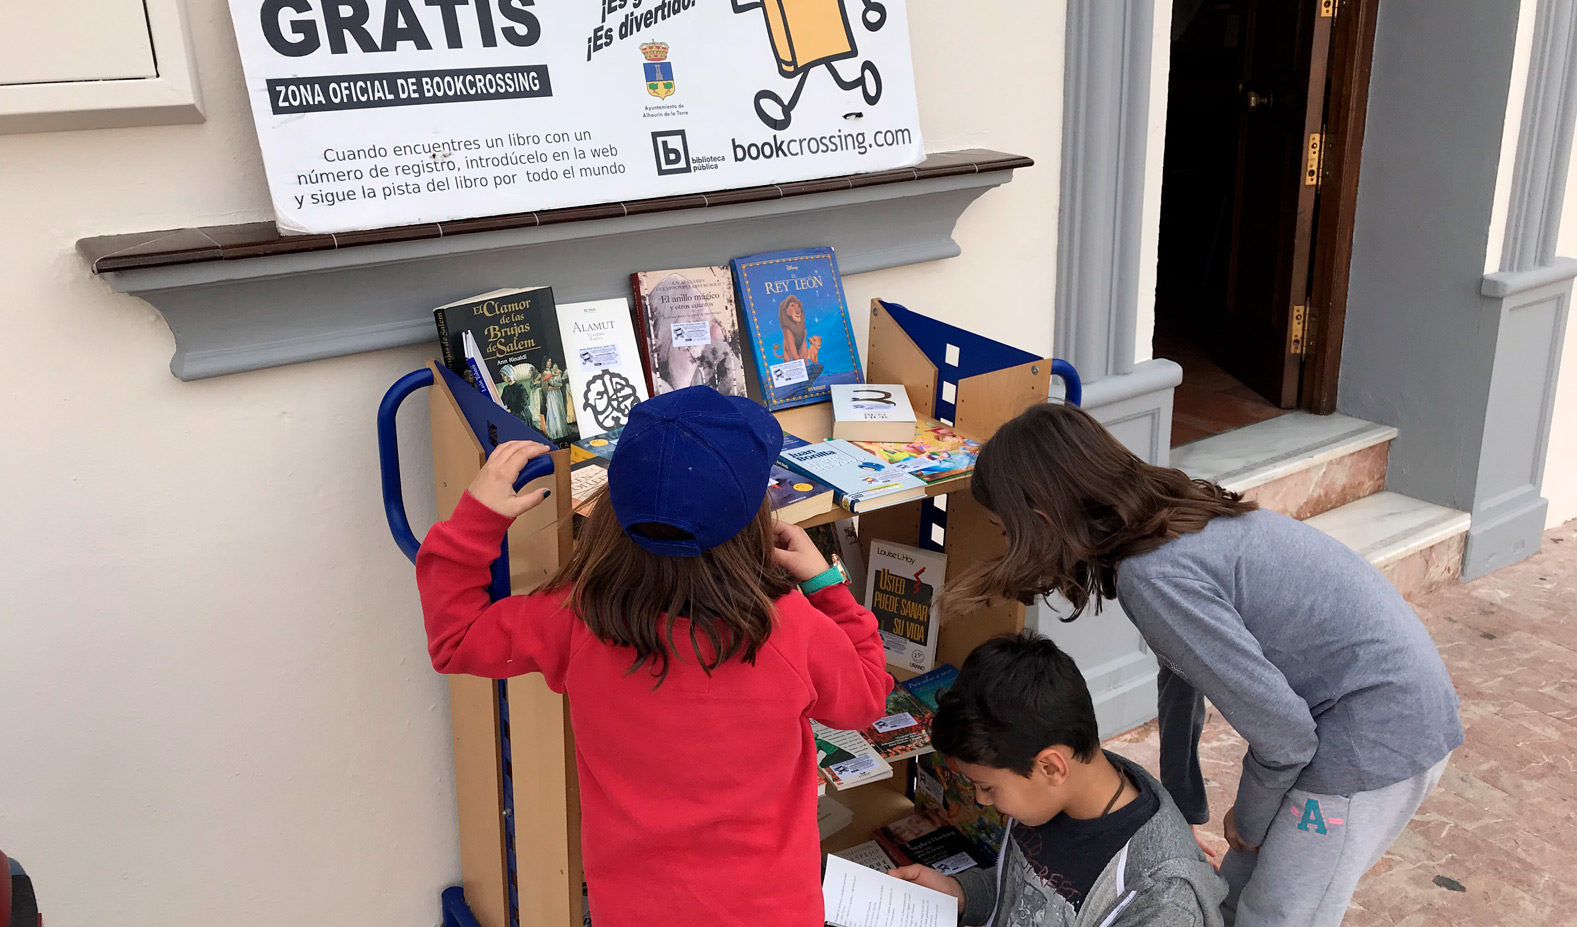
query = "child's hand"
{"x": 494, "y": 485}
{"x": 795, "y": 552}
{"x": 930, "y": 878}
{"x": 1229, "y": 828}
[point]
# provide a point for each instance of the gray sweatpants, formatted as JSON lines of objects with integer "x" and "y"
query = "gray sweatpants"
{"x": 1317, "y": 848}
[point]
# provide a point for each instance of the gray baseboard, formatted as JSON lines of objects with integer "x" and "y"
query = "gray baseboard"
{"x": 1511, "y": 535}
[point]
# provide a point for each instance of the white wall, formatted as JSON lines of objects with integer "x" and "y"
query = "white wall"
{"x": 1560, "y": 463}
{"x": 215, "y": 705}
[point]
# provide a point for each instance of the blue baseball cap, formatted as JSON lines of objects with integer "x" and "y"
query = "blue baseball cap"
{"x": 694, "y": 460}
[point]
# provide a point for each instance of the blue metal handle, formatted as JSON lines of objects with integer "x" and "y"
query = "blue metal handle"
{"x": 492, "y": 424}
{"x": 389, "y": 458}
{"x": 1070, "y": 381}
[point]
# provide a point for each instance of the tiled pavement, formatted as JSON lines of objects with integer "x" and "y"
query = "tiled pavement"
{"x": 1497, "y": 842}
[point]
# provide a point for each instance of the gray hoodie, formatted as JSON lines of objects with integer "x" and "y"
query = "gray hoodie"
{"x": 1159, "y": 877}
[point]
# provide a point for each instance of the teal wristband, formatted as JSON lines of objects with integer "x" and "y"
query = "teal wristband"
{"x": 832, "y": 576}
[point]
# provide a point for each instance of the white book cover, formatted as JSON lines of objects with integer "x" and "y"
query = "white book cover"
{"x": 831, "y": 816}
{"x": 872, "y": 412}
{"x": 848, "y": 759}
{"x": 604, "y": 366}
{"x": 847, "y": 533}
{"x": 871, "y": 402}
{"x": 901, "y": 585}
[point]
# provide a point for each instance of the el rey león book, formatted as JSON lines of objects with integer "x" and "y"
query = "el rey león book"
{"x": 801, "y": 338}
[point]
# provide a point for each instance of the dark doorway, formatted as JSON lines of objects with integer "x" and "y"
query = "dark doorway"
{"x": 1264, "y": 123}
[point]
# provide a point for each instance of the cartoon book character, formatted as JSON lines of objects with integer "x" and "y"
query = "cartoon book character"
{"x": 807, "y": 34}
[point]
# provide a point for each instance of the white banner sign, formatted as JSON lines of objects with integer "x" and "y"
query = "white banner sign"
{"x": 377, "y": 113}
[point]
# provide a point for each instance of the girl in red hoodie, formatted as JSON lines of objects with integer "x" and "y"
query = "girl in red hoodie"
{"x": 695, "y": 638}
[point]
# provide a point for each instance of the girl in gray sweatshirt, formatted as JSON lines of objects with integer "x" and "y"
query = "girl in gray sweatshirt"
{"x": 1306, "y": 649}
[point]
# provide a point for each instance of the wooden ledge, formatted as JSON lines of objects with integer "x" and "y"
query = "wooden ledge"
{"x": 138, "y": 250}
{"x": 243, "y": 297}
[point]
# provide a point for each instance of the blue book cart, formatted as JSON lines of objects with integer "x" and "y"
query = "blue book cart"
{"x": 517, "y": 800}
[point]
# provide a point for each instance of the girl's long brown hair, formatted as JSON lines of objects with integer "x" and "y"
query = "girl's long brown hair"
{"x": 629, "y": 597}
{"x": 1074, "y": 503}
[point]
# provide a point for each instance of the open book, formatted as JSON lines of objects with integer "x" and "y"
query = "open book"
{"x": 859, "y": 897}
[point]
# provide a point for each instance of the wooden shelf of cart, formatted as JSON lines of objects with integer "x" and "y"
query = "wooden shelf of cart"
{"x": 951, "y": 374}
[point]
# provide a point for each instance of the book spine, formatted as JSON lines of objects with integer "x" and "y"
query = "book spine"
{"x": 477, "y": 377}
{"x": 892, "y": 848}
{"x": 445, "y": 348}
{"x": 838, "y": 495}
{"x": 643, "y": 334}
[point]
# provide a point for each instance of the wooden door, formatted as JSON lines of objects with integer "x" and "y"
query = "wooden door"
{"x": 1260, "y": 339}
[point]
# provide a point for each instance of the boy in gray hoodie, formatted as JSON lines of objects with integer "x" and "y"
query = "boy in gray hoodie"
{"x": 1093, "y": 840}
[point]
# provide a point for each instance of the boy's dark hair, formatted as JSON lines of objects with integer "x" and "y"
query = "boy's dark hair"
{"x": 1016, "y": 695}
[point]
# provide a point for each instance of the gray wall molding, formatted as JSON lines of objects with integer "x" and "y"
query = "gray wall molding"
{"x": 232, "y": 316}
{"x": 1544, "y": 144}
{"x": 1512, "y": 283}
{"x": 1531, "y": 298}
{"x": 1105, "y": 127}
{"x": 1509, "y": 508}
{"x": 1462, "y": 363}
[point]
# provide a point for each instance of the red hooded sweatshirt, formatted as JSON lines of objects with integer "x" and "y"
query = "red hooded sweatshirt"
{"x": 698, "y": 798}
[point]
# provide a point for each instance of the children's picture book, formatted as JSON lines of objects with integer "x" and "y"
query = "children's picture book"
{"x": 585, "y": 479}
{"x": 692, "y": 333}
{"x": 901, "y": 584}
{"x": 795, "y": 496}
{"x": 507, "y": 344}
{"x": 605, "y": 375}
{"x": 949, "y": 797}
{"x": 831, "y": 816}
{"x": 800, "y": 333}
{"x": 846, "y": 758}
{"x": 597, "y": 446}
{"x": 934, "y": 453}
{"x": 859, "y": 896}
{"x": 928, "y": 687}
{"x": 859, "y": 480}
{"x": 905, "y": 729}
{"x": 872, "y": 412}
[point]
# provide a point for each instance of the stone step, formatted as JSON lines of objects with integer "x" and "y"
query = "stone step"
{"x": 1416, "y": 544}
{"x": 1299, "y": 464}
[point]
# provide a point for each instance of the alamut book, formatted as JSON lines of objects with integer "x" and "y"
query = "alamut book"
{"x": 506, "y": 343}
{"x": 872, "y": 412}
{"x": 691, "y": 333}
{"x": 846, "y": 758}
{"x": 606, "y": 379}
{"x": 859, "y": 481}
{"x": 900, "y": 589}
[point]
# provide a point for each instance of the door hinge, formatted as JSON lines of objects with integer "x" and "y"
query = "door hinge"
{"x": 1315, "y": 162}
{"x": 1297, "y": 330}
